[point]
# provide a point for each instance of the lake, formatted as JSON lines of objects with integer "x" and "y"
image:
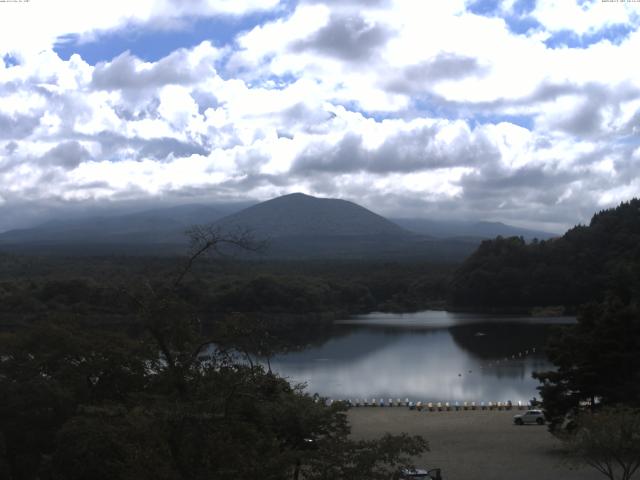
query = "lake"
{"x": 426, "y": 356}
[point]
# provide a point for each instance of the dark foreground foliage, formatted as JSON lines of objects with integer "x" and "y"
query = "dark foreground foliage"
{"x": 579, "y": 267}
{"x": 597, "y": 360}
{"x": 80, "y": 402}
{"x": 607, "y": 440}
{"x": 31, "y": 287}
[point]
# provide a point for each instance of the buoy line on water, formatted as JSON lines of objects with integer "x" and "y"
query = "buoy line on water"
{"x": 448, "y": 406}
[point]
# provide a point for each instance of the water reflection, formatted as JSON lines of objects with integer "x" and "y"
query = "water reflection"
{"x": 428, "y": 356}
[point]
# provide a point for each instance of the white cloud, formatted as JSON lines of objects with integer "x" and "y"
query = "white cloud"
{"x": 510, "y": 66}
{"x": 586, "y": 17}
{"x": 181, "y": 67}
{"x": 177, "y": 106}
{"x": 28, "y": 28}
{"x": 418, "y": 102}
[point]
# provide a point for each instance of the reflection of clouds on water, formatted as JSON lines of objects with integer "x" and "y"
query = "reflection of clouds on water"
{"x": 422, "y": 364}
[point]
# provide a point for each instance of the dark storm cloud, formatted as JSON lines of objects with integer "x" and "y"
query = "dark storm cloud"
{"x": 551, "y": 91}
{"x": 584, "y": 121}
{"x": 346, "y": 156}
{"x": 495, "y": 182}
{"x": 546, "y": 92}
{"x": 445, "y": 66}
{"x": 205, "y": 99}
{"x": 122, "y": 72}
{"x": 251, "y": 162}
{"x": 67, "y": 155}
{"x": 632, "y": 127}
{"x": 70, "y": 107}
{"x": 161, "y": 148}
{"x": 302, "y": 117}
{"x": 17, "y": 127}
{"x": 547, "y": 196}
{"x": 415, "y": 150}
{"x": 10, "y": 147}
{"x": 345, "y": 37}
{"x": 115, "y": 147}
{"x": 301, "y": 112}
{"x": 540, "y": 193}
{"x": 587, "y": 119}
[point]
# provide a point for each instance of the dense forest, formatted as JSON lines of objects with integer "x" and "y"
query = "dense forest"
{"x": 102, "y": 374}
{"x": 581, "y": 266}
{"x": 594, "y": 270}
{"x": 82, "y": 401}
{"x": 596, "y": 360}
{"x": 97, "y": 288}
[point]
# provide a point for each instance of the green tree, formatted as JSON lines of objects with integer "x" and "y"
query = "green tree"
{"x": 608, "y": 441}
{"x": 581, "y": 266}
{"x": 597, "y": 361}
{"x": 81, "y": 402}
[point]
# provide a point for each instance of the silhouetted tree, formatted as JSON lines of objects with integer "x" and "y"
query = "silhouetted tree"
{"x": 80, "y": 402}
{"x": 579, "y": 267}
{"x": 597, "y": 361}
{"x": 608, "y": 441}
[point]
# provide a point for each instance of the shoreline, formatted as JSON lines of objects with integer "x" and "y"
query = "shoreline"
{"x": 438, "y": 406}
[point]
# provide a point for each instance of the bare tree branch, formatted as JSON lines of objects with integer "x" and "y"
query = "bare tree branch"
{"x": 206, "y": 238}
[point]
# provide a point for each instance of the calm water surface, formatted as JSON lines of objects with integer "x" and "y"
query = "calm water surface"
{"x": 426, "y": 356}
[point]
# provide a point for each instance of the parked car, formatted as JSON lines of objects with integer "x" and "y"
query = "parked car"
{"x": 420, "y": 474}
{"x": 530, "y": 416}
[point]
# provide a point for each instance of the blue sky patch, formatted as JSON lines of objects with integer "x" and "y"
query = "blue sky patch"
{"x": 492, "y": 7}
{"x": 277, "y": 81}
{"x": 153, "y": 44}
{"x": 10, "y": 61}
{"x": 518, "y": 20}
{"x": 522, "y": 24}
{"x": 524, "y": 7}
{"x": 484, "y": 7}
{"x": 567, "y": 38}
{"x": 353, "y": 106}
{"x": 524, "y": 121}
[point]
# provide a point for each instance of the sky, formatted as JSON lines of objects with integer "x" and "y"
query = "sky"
{"x": 521, "y": 111}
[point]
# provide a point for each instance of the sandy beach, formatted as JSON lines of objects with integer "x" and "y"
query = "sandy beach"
{"x": 473, "y": 445}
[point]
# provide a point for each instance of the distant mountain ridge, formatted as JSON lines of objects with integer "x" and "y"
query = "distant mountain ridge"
{"x": 295, "y": 225}
{"x": 298, "y": 214}
{"x": 166, "y": 225}
{"x": 480, "y": 230}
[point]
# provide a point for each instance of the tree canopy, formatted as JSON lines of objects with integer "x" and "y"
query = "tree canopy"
{"x": 82, "y": 402}
{"x": 608, "y": 441}
{"x": 597, "y": 360}
{"x": 579, "y": 267}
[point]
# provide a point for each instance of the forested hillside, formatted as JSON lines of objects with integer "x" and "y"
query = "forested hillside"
{"x": 80, "y": 401}
{"x": 97, "y": 287}
{"x": 581, "y": 266}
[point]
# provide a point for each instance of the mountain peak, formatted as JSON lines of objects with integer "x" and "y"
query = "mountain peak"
{"x": 490, "y": 224}
{"x": 299, "y": 214}
{"x": 294, "y": 195}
